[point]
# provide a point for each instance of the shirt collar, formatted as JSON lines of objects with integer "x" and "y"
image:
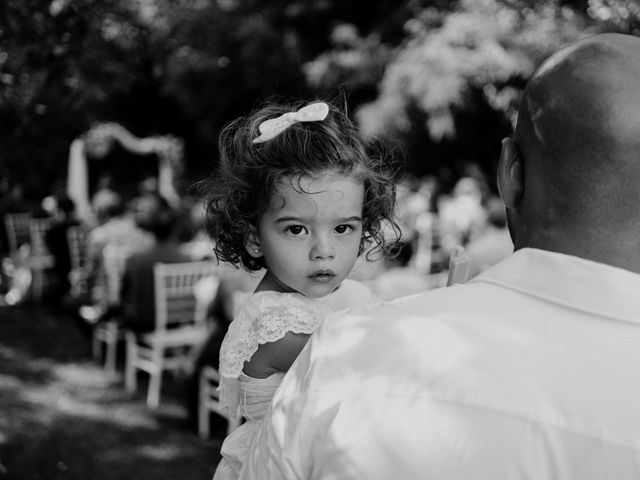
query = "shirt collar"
{"x": 572, "y": 281}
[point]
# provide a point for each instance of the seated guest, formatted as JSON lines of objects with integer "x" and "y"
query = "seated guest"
{"x": 154, "y": 215}
{"x": 58, "y": 244}
{"x": 531, "y": 369}
{"x": 116, "y": 230}
{"x": 493, "y": 242}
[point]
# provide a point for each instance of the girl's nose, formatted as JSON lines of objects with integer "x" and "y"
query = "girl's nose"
{"x": 322, "y": 248}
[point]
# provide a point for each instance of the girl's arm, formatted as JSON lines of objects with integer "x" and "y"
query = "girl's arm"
{"x": 276, "y": 356}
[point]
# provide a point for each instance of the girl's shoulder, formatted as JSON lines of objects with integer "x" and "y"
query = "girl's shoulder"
{"x": 265, "y": 317}
{"x": 272, "y": 311}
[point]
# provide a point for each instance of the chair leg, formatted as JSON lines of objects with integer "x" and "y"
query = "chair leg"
{"x": 203, "y": 410}
{"x": 111, "y": 349}
{"x": 155, "y": 380}
{"x": 153, "y": 395}
{"x": 38, "y": 281}
{"x": 95, "y": 342}
{"x": 130, "y": 377}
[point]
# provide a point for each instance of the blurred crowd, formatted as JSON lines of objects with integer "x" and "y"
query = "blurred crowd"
{"x": 149, "y": 229}
{"x": 100, "y": 268}
{"x": 144, "y": 224}
{"x": 434, "y": 225}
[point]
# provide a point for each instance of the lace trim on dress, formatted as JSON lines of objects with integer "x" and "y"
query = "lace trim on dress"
{"x": 274, "y": 323}
{"x": 265, "y": 318}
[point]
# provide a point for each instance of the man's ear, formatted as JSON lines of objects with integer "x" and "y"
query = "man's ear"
{"x": 252, "y": 245}
{"x": 510, "y": 174}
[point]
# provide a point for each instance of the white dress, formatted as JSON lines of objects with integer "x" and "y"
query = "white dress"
{"x": 267, "y": 317}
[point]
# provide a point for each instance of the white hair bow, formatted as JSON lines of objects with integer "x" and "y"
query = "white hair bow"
{"x": 314, "y": 112}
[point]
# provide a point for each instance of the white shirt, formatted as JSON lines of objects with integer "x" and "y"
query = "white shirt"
{"x": 530, "y": 371}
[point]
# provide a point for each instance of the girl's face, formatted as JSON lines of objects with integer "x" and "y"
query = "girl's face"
{"x": 310, "y": 234}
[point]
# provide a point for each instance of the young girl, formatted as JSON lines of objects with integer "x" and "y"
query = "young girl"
{"x": 297, "y": 195}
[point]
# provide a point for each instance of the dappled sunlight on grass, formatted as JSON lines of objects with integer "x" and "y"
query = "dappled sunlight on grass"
{"x": 83, "y": 375}
{"x": 81, "y": 390}
{"x": 163, "y": 452}
{"x": 61, "y": 414}
{"x": 23, "y": 366}
{"x": 9, "y": 383}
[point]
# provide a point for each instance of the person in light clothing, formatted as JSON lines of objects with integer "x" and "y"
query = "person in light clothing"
{"x": 298, "y": 196}
{"x": 531, "y": 369}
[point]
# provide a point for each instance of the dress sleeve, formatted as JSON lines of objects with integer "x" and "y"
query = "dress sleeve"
{"x": 264, "y": 318}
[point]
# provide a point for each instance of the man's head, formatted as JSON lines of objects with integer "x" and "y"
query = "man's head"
{"x": 153, "y": 213}
{"x": 107, "y": 204}
{"x": 570, "y": 177}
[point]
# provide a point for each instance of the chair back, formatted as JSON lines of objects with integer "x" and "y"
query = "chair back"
{"x": 38, "y": 228}
{"x": 77, "y": 240}
{"x": 17, "y": 228}
{"x": 209, "y": 401}
{"x": 174, "y": 284}
{"x": 114, "y": 258}
{"x": 459, "y": 267}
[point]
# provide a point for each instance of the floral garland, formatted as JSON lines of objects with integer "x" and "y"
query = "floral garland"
{"x": 100, "y": 138}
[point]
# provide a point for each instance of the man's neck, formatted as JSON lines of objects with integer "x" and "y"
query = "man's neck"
{"x": 611, "y": 253}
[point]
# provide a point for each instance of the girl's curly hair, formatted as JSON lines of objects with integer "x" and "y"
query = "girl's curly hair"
{"x": 239, "y": 190}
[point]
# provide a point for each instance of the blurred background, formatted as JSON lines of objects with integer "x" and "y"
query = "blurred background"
{"x": 128, "y": 96}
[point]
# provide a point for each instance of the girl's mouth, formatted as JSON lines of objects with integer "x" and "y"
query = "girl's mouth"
{"x": 322, "y": 275}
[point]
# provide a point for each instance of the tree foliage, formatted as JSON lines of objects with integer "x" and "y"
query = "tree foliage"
{"x": 438, "y": 78}
{"x": 157, "y": 66}
{"x": 450, "y": 91}
{"x": 63, "y": 66}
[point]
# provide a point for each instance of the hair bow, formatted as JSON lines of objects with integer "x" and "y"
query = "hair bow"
{"x": 314, "y": 112}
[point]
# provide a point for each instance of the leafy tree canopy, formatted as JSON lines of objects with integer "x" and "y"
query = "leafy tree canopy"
{"x": 438, "y": 78}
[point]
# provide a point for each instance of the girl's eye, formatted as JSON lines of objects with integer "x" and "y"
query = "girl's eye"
{"x": 295, "y": 229}
{"x": 344, "y": 229}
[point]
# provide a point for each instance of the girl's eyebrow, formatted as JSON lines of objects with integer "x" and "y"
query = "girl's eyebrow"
{"x": 289, "y": 219}
{"x": 354, "y": 218}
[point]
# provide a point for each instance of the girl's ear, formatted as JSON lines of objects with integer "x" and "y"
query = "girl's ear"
{"x": 252, "y": 246}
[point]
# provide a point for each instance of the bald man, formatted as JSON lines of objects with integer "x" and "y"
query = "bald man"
{"x": 532, "y": 369}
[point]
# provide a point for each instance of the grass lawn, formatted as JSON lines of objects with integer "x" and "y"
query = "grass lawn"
{"x": 63, "y": 417}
